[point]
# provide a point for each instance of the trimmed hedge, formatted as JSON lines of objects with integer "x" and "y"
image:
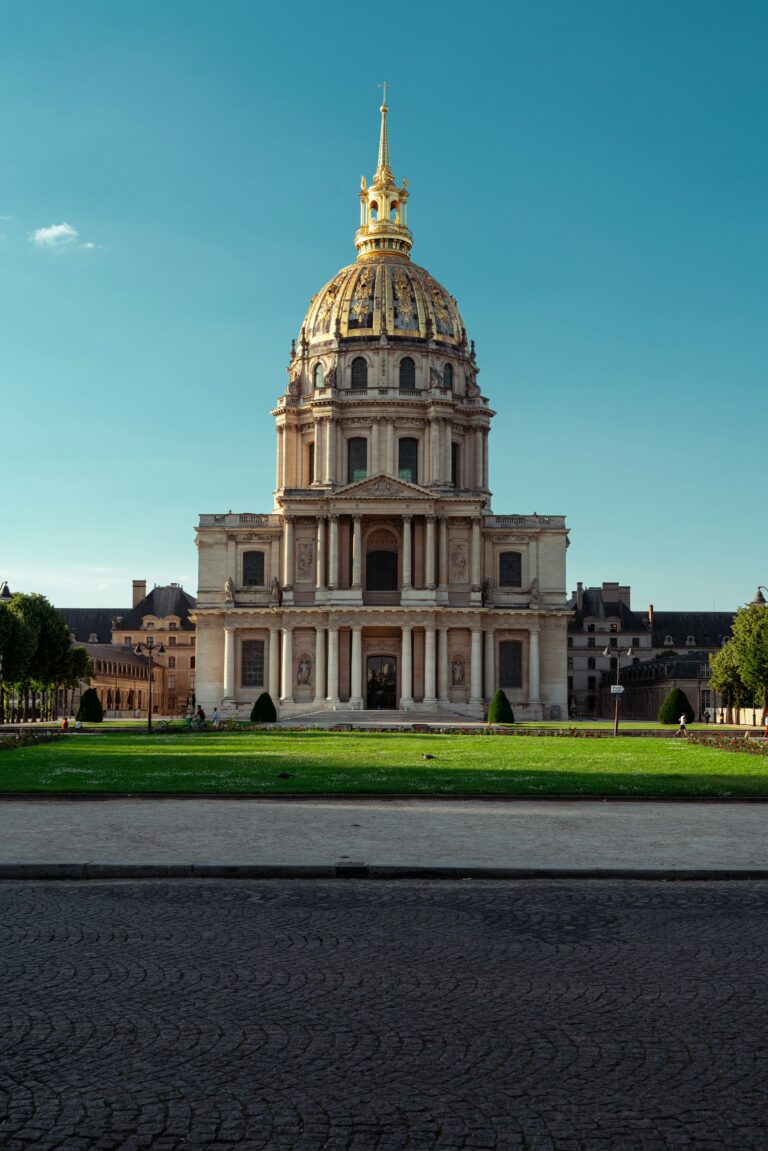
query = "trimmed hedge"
{"x": 90, "y": 710}
{"x": 675, "y": 705}
{"x": 263, "y": 710}
{"x": 500, "y": 710}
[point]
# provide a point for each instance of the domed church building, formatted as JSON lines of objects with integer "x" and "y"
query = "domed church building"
{"x": 382, "y": 580}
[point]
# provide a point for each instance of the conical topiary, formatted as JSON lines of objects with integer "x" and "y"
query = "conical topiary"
{"x": 90, "y": 710}
{"x": 263, "y": 711}
{"x": 500, "y": 710}
{"x": 675, "y": 705}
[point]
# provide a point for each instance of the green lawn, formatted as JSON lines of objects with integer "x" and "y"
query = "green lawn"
{"x": 384, "y": 763}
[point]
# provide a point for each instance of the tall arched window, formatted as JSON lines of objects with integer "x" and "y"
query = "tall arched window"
{"x": 407, "y": 373}
{"x": 319, "y": 376}
{"x": 408, "y": 459}
{"x": 359, "y": 373}
{"x": 357, "y": 459}
{"x": 448, "y": 377}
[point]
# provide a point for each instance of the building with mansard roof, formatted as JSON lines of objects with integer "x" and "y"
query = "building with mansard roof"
{"x": 382, "y": 579}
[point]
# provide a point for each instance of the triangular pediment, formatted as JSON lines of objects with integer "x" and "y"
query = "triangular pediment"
{"x": 383, "y": 488}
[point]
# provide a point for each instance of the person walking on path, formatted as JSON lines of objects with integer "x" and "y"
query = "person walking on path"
{"x": 682, "y": 729}
{"x": 216, "y": 719}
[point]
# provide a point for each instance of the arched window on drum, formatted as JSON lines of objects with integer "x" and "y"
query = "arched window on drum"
{"x": 319, "y": 376}
{"x": 359, "y": 373}
{"x": 407, "y": 373}
{"x": 448, "y": 377}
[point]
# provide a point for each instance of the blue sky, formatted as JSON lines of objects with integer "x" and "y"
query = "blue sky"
{"x": 589, "y": 179}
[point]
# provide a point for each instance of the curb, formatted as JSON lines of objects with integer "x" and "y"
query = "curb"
{"x": 360, "y": 870}
{"x": 367, "y": 797}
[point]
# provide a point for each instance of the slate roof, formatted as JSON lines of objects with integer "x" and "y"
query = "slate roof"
{"x": 594, "y": 607}
{"x": 115, "y": 654}
{"x": 690, "y": 665}
{"x": 161, "y": 602}
{"x": 84, "y": 622}
{"x": 709, "y": 628}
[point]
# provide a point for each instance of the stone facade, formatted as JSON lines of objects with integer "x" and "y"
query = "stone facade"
{"x": 382, "y": 579}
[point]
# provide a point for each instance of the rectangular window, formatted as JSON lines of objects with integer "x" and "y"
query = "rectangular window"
{"x": 171, "y": 681}
{"x": 253, "y": 569}
{"x": 191, "y": 661}
{"x": 614, "y": 642}
{"x": 591, "y": 662}
{"x": 570, "y": 682}
{"x": 455, "y": 465}
{"x": 591, "y": 641}
{"x": 128, "y": 641}
{"x": 590, "y": 627}
{"x": 171, "y": 661}
{"x": 591, "y": 682}
{"x": 570, "y": 641}
{"x": 171, "y": 641}
{"x": 635, "y": 641}
{"x": 252, "y": 652}
{"x": 613, "y": 627}
{"x": 510, "y": 569}
{"x": 172, "y": 626}
{"x": 357, "y": 459}
{"x": 570, "y": 663}
{"x": 510, "y": 663}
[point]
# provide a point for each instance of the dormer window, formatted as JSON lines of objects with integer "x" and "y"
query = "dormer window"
{"x": 668, "y": 641}
{"x": 172, "y": 626}
{"x": 690, "y": 641}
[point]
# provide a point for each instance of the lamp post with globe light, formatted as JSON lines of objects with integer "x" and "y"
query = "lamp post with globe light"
{"x": 616, "y": 688}
{"x": 150, "y": 648}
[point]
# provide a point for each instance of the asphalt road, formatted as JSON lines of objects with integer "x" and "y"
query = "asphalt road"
{"x": 351, "y": 1015}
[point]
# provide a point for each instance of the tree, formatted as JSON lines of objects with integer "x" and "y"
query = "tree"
{"x": 500, "y": 710}
{"x": 17, "y": 646}
{"x": 675, "y": 705}
{"x": 90, "y": 710}
{"x": 263, "y": 710}
{"x": 750, "y": 640}
{"x": 49, "y": 660}
{"x": 725, "y": 677}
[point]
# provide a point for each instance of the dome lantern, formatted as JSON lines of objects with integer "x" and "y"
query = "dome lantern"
{"x": 383, "y": 227}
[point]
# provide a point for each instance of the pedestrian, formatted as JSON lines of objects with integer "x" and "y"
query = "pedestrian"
{"x": 65, "y": 724}
{"x": 200, "y": 714}
{"x": 765, "y": 724}
{"x": 217, "y": 719}
{"x": 681, "y": 729}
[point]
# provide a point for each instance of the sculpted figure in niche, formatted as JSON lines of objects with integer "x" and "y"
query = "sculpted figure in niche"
{"x": 306, "y": 556}
{"x": 533, "y": 591}
{"x": 229, "y": 589}
{"x": 275, "y": 592}
{"x": 435, "y": 379}
{"x": 457, "y": 672}
{"x": 330, "y": 379}
{"x": 486, "y": 597}
{"x": 458, "y": 562}
{"x": 305, "y": 670}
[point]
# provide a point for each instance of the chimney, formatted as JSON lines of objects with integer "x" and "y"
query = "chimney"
{"x": 650, "y": 614}
{"x": 580, "y": 595}
{"x": 139, "y": 591}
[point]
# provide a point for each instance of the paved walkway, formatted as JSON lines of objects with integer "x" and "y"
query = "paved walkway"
{"x": 560, "y": 837}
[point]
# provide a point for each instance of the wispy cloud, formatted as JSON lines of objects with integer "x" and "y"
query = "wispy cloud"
{"x": 56, "y": 236}
{"x": 6, "y": 217}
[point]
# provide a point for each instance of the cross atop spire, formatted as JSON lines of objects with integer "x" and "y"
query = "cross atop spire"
{"x": 383, "y": 230}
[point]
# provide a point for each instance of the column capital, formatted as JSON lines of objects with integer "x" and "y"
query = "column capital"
{"x": 407, "y": 516}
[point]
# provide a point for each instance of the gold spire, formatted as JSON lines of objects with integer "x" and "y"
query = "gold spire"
{"x": 383, "y": 171}
{"x": 383, "y": 227}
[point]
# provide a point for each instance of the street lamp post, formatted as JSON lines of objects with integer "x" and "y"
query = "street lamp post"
{"x": 149, "y": 647}
{"x": 617, "y": 689}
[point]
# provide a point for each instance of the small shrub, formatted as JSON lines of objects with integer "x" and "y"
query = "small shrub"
{"x": 500, "y": 710}
{"x": 90, "y": 710}
{"x": 675, "y": 705}
{"x": 263, "y": 711}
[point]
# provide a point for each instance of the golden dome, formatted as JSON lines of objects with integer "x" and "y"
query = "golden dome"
{"x": 384, "y": 294}
{"x": 390, "y": 297}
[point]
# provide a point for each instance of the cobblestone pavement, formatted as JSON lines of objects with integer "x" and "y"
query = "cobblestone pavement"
{"x": 351, "y": 1015}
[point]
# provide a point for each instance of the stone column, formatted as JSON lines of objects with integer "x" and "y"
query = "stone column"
{"x": 319, "y": 665}
{"x": 447, "y": 441}
{"x": 489, "y": 665}
{"x": 443, "y": 545}
{"x": 391, "y": 468}
{"x": 229, "y": 662}
{"x": 430, "y": 556}
{"x": 320, "y": 574}
{"x": 356, "y": 667}
{"x": 406, "y": 668}
{"x": 435, "y": 452}
{"x": 429, "y": 665}
{"x": 330, "y": 451}
{"x": 375, "y": 440}
{"x": 274, "y": 663}
{"x": 533, "y": 665}
{"x": 478, "y": 458}
{"x": 357, "y": 551}
{"x": 476, "y": 543}
{"x": 288, "y": 554}
{"x": 286, "y": 690}
{"x": 442, "y": 665}
{"x": 407, "y": 576}
{"x": 333, "y": 573}
{"x": 333, "y": 665}
{"x": 317, "y": 470}
{"x": 476, "y": 667}
{"x": 280, "y": 448}
{"x": 286, "y": 456}
{"x": 485, "y": 459}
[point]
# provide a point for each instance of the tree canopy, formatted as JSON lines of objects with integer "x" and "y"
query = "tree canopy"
{"x": 38, "y": 655}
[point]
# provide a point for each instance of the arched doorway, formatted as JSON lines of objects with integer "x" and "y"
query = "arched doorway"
{"x": 381, "y": 683}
